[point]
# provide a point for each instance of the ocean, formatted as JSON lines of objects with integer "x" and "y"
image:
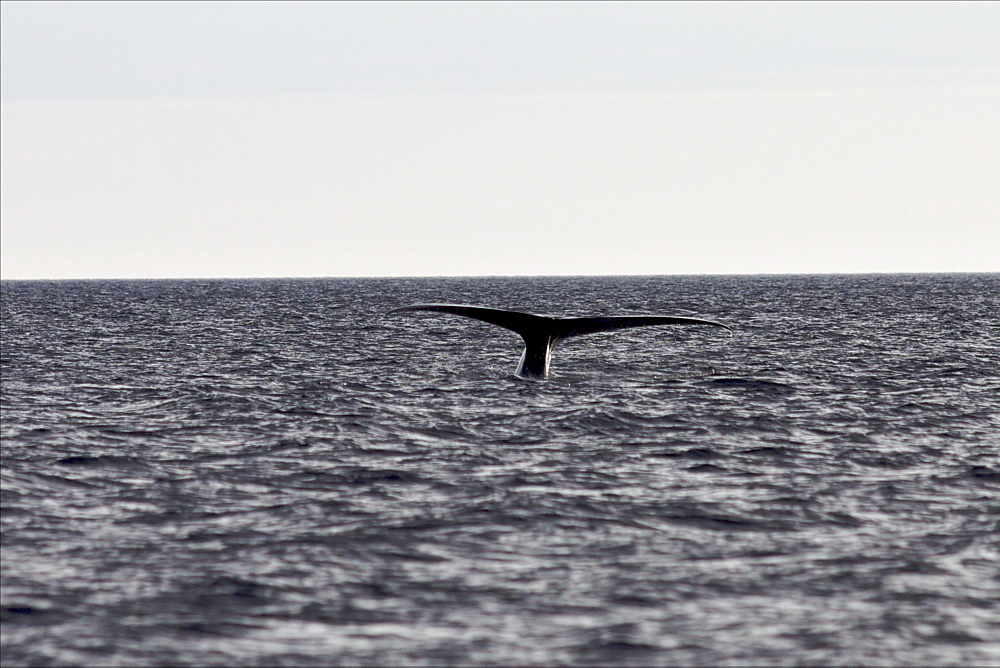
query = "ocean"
{"x": 273, "y": 472}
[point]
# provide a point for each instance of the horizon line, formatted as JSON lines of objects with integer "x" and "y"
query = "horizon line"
{"x": 450, "y": 276}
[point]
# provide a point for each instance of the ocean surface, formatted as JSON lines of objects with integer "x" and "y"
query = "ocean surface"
{"x": 269, "y": 472}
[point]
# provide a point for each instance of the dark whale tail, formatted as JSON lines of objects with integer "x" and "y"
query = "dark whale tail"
{"x": 541, "y": 333}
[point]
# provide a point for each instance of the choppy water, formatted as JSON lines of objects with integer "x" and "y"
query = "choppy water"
{"x": 266, "y": 472}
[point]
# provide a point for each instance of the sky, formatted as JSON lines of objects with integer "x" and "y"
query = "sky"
{"x": 229, "y": 140}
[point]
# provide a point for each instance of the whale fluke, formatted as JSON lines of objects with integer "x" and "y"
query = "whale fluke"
{"x": 541, "y": 333}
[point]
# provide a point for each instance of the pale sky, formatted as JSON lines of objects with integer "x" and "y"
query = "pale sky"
{"x": 260, "y": 139}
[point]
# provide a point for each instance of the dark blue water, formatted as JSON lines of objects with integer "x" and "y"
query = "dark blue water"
{"x": 267, "y": 472}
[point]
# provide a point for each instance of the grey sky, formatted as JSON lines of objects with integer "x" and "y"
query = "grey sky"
{"x": 313, "y": 139}
{"x": 100, "y": 50}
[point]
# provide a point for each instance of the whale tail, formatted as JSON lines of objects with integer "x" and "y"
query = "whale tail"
{"x": 541, "y": 333}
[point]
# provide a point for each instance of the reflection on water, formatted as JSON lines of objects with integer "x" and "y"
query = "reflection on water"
{"x": 268, "y": 472}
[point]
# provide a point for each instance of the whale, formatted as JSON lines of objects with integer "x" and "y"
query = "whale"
{"x": 541, "y": 333}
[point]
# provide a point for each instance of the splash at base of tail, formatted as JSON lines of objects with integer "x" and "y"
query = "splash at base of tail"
{"x": 541, "y": 333}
